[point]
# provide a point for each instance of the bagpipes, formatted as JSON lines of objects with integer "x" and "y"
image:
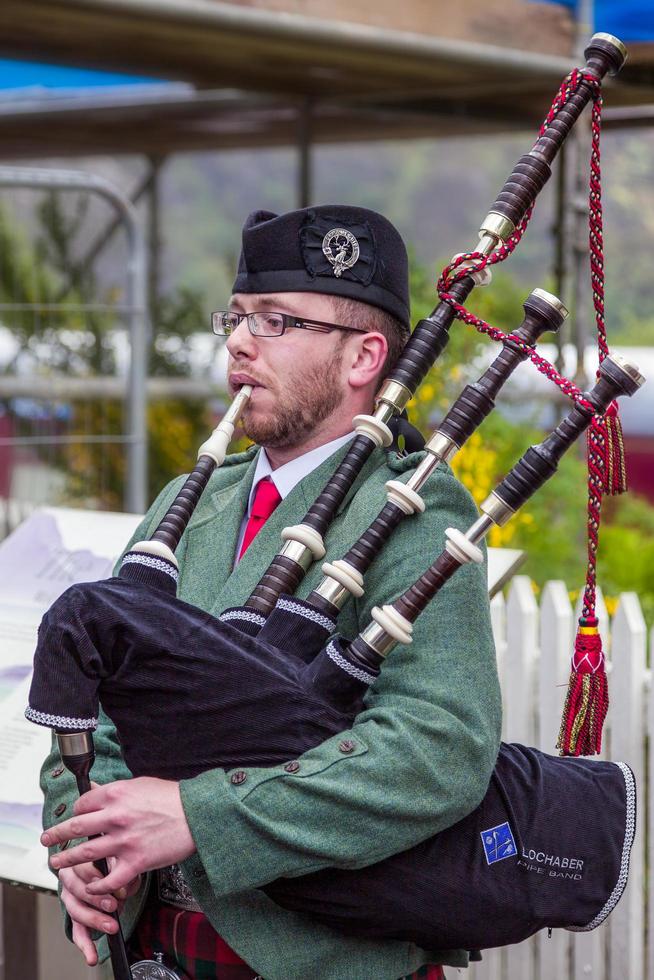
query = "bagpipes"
{"x": 275, "y": 657}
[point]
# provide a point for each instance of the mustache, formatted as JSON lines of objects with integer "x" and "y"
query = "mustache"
{"x": 245, "y": 369}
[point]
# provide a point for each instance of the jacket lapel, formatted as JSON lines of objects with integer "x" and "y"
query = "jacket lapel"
{"x": 205, "y": 566}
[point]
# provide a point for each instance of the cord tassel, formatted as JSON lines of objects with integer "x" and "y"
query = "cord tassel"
{"x": 587, "y": 700}
{"x": 616, "y": 470}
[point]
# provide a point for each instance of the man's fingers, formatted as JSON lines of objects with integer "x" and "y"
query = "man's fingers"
{"x": 120, "y": 876}
{"x": 84, "y": 825}
{"x": 83, "y": 941}
{"x": 87, "y": 872}
{"x": 93, "y": 799}
{"x": 124, "y": 893}
{"x": 90, "y": 850}
{"x": 75, "y": 884}
{"x": 85, "y": 915}
{"x": 75, "y": 880}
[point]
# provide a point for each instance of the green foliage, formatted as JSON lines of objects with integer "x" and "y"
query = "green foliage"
{"x": 626, "y": 556}
{"x": 22, "y": 279}
{"x": 178, "y": 315}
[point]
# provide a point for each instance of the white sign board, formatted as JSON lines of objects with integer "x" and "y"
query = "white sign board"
{"x": 50, "y": 551}
{"x": 53, "y": 549}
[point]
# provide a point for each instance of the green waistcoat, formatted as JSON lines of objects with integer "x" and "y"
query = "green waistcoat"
{"x": 425, "y": 744}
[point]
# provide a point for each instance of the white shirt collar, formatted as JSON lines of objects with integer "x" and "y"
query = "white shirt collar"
{"x": 289, "y": 475}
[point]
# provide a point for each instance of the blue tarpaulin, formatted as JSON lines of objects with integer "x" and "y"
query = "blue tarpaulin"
{"x": 27, "y": 75}
{"x": 630, "y": 20}
{"x": 627, "y": 19}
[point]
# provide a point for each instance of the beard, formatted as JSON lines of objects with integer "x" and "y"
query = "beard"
{"x": 301, "y": 406}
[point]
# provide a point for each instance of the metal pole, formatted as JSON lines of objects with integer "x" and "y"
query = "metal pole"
{"x": 154, "y": 235}
{"x": 137, "y": 313}
{"x": 304, "y": 188}
{"x": 139, "y": 328}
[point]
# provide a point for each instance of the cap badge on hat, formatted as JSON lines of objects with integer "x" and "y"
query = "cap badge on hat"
{"x": 341, "y": 250}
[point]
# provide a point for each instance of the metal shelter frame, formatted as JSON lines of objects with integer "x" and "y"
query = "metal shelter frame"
{"x": 135, "y": 307}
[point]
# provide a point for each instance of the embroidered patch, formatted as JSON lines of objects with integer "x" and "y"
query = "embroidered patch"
{"x": 498, "y": 843}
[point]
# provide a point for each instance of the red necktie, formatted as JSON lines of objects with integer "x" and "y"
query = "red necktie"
{"x": 266, "y": 498}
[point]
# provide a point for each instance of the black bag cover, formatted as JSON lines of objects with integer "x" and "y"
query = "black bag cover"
{"x": 186, "y": 691}
{"x": 548, "y": 846}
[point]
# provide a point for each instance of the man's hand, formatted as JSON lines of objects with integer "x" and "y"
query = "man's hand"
{"x": 142, "y": 824}
{"x": 90, "y": 912}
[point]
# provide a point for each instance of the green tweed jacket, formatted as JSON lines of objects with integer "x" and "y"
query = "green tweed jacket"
{"x": 425, "y": 744}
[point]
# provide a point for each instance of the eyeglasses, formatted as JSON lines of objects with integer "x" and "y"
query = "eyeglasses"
{"x": 225, "y": 322}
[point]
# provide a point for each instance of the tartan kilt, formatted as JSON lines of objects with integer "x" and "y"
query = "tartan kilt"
{"x": 193, "y": 949}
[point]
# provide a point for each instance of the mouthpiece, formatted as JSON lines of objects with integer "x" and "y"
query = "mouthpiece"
{"x": 218, "y": 442}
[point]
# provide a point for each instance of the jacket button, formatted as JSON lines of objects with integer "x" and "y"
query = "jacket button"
{"x": 346, "y": 746}
{"x": 60, "y": 809}
{"x": 238, "y": 777}
{"x": 57, "y": 772}
{"x": 292, "y": 766}
{"x": 198, "y": 873}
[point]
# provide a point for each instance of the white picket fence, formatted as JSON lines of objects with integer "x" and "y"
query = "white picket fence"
{"x": 13, "y": 511}
{"x": 533, "y": 648}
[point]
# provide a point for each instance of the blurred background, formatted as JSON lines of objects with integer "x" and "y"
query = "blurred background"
{"x": 136, "y": 135}
{"x": 198, "y": 112}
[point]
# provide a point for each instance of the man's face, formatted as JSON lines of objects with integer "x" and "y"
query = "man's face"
{"x": 299, "y": 379}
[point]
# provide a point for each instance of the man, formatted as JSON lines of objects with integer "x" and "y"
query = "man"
{"x": 320, "y": 298}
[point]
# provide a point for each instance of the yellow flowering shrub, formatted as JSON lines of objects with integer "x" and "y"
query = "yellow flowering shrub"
{"x": 96, "y": 472}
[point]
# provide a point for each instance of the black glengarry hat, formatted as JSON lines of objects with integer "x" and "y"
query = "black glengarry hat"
{"x": 332, "y": 248}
